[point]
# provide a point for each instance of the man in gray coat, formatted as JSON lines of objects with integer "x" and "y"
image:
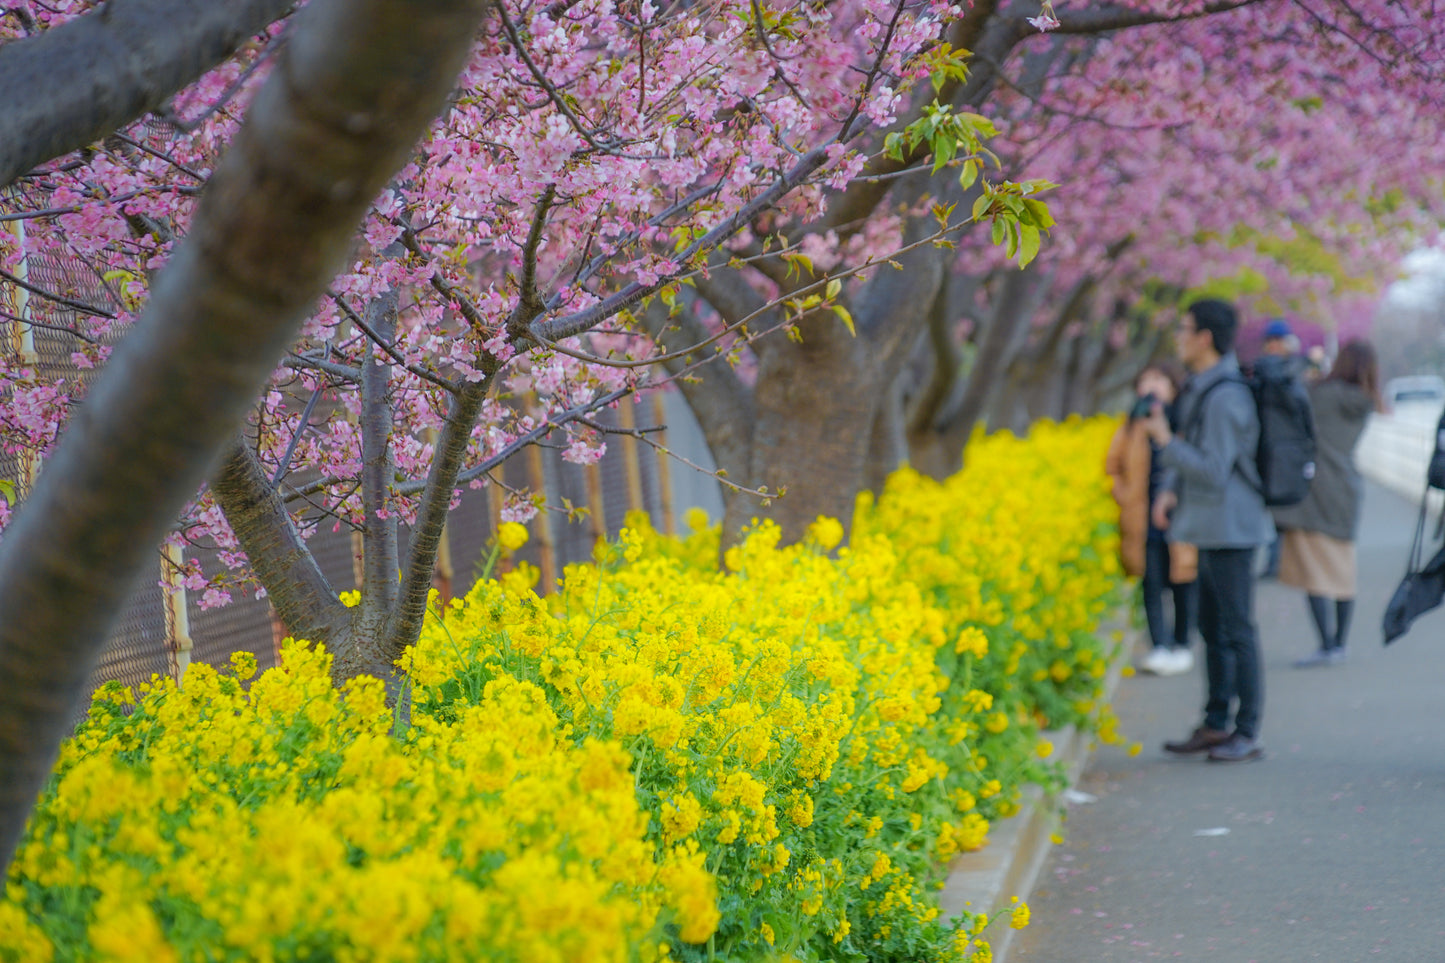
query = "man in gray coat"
{"x": 1211, "y": 498}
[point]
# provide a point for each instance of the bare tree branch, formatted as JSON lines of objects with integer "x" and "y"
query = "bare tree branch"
{"x": 405, "y": 620}
{"x": 529, "y": 301}
{"x": 556, "y": 329}
{"x": 48, "y": 327}
{"x": 385, "y": 345}
{"x": 345, "y": 372}
{"x": 1102, "y": 19}
{"x": 56, "y": 298}
{"x": 537, "y": 434}
{"x": 284, "y": 465}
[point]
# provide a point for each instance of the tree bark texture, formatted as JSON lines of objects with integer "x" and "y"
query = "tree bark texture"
{"x": 815, "y": 405}
{"x": 816, "y": 402}
{"x": 380, "y": 559}
{"x": 352, "y": 90}
{"x": 74, "y": 84}
{"x": 404, "y": 621}
{"x": 1018, "y": 299}
{"x": 304, "y": 599}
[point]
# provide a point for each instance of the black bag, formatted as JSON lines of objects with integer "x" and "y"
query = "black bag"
{"x": 1285, "y": 457}
{"x": 1435, "y": 474}
{"x": 1423, "y": 587}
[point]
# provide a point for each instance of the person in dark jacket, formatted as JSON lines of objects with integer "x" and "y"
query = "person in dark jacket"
{"x": 1279, "y": 360}
{"x": 1318, "y": 542}
{"x": 1212, "y": 487}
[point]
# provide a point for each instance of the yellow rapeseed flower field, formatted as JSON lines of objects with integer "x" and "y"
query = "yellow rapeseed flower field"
{"x": 664, "y": 759}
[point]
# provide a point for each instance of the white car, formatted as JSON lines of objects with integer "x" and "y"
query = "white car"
{"x": 1415, "y": 392}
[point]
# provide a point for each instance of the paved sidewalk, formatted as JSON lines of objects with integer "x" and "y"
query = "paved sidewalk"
{"x": 1332, "y": 848}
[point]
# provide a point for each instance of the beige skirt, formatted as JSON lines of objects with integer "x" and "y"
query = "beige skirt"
{"x": 1317, "y": 563}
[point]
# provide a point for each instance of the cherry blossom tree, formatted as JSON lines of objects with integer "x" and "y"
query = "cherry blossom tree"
{"x": 594, "y": 159}
{"x": 1270, "y": 155}
{"x": 358, "y": 84}
{"x": 1202, "y": 144}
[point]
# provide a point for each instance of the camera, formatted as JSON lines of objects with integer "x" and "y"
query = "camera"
{"x": 1143, "y": 405}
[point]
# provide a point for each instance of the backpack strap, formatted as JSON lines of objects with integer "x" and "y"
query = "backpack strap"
{"x": 1196, "y": 417}
{"x": 1196, "y": 421}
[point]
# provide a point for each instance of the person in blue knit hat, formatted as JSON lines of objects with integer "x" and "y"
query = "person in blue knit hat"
{"x": 1281, "y": 351}
{"x": 1277, "y": 336}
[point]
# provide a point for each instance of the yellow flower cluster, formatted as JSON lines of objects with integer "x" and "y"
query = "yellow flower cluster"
{"x": 661, "y": 760}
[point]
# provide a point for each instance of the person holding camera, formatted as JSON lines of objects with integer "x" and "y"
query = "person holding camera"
{"x": 1133, "y": 465}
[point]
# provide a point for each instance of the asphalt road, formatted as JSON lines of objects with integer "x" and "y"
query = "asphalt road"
{"x": 1331, "y": 848}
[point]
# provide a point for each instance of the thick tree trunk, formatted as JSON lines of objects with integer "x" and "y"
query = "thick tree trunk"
{"x": 1047, "y": 400}
{"x": 354, "y": 87}
{"x": 109, "y": 67}
{"x": 406, "y": 617}
{"x": 304, "y": 599}
{"x": 888, "y": 448}
{"x": 815, "y": 406}
{"x": 1093, "y": 357}
{"x": 1007, "y": 331}
{"x": 380, "y": 561}
{"x": 940, "y": 353}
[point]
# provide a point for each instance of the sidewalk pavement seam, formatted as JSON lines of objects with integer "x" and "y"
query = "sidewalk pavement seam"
{"x": 1010, "y": 864}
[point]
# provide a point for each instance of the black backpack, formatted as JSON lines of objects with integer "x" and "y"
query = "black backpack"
{"x": 1285, "y": 457}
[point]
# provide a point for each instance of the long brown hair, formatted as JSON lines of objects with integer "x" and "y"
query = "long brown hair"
{"x": 1358, "y": 365}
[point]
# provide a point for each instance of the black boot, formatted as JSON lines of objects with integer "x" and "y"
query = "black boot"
{"x": 1344, "y": 609}
{"x": 1320, "y": 611}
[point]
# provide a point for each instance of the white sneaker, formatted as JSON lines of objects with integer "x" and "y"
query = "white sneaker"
{"x": 1167, "y": 662}
{"x": 1181, "y": 661}
{"x": 1159, "y": 661}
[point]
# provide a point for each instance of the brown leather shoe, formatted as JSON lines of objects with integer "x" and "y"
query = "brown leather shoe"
{"x": 1237, "y": 749}
{"x": 1200, "y": 740}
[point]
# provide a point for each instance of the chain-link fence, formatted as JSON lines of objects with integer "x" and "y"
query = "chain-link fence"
{"x": 161, "y": 629}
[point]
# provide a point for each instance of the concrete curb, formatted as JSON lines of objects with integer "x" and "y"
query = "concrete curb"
{"x": 1009, "y": 866}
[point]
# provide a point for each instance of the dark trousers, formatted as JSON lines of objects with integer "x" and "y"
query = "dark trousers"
{"x": 1231, "y": 643}
{"x": 1186, "y": 598}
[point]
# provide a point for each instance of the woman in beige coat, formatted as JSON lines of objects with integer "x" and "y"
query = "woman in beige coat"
{"x": 1143, "y": 550}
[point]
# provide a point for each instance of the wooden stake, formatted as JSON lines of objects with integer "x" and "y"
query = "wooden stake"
{"x": 664, "y": 467}
{"x": 178, "y": 620}
{"x": 278, "y": 632}
{"x": 542, "y": 524}
{"x": 596, "y": 512}
{"x": 22, "y": 343}
{"x": 495, "y": 498}
{"x": 444, "y": 575}
{"x": 630, "y": 454}
{"x": 358, "y": 553}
